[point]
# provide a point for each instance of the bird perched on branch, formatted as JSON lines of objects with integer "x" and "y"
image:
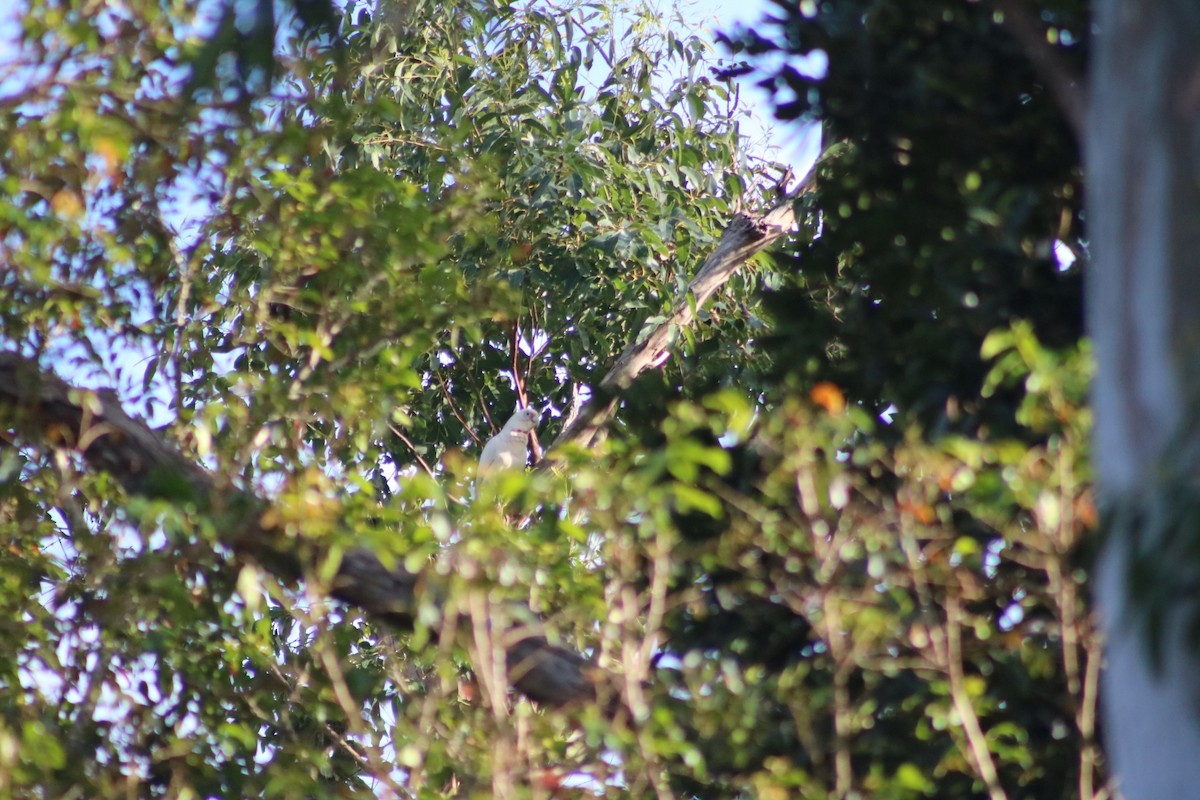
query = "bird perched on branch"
{"x": 509, "y": 449}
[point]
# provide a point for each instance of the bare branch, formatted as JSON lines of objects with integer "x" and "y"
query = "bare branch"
{"x": 454, "y": 408}
{"x": 744, "y": 236}
{"x": 514, "y": 347}
{"x": 412, "y": 448}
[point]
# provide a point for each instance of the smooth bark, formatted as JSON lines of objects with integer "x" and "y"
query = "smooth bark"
{"x": 1143, "y": 153}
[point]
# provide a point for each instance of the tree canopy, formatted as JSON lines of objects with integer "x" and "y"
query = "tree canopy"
{"x": 813, "y": 474}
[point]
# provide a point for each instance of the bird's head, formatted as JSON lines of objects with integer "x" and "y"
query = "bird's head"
{"x": 525, "y": 420}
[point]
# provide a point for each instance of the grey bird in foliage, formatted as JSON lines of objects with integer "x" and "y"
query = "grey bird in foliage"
{"x": 509, "y": 448}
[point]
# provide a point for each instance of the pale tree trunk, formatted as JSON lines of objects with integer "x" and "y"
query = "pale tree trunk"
{"x": 1143, "y": 170}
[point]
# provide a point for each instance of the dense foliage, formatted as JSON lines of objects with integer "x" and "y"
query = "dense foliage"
{"x": 951, "y": 650}
{"x": 331, "y": 266}
{"x": 955, "y": 175}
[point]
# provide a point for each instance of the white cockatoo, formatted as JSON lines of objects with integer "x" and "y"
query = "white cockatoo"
{"x": 509, "y": 448}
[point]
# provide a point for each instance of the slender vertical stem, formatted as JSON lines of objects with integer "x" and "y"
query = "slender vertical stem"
{"x": 835, "y": 635}
{"x": 976, "y": 738}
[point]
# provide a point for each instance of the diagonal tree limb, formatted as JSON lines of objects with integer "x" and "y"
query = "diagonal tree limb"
{"x": 48, "y": 410}
{"x": 745, "y": 236}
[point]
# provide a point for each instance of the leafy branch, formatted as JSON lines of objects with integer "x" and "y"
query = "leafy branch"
{"x": 50, "y": 411}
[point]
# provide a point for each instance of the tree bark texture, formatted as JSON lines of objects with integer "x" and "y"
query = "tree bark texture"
{"x": 1143, "y": 166}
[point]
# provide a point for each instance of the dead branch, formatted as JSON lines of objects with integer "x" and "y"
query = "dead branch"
{"x": 745, "y": 236}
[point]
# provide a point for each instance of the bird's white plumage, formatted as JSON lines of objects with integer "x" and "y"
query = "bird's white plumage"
{"x": 509, "y": 448}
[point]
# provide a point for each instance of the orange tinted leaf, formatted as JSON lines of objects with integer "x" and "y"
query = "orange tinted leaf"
{"x": 921, "y": 512}
{"x": 829, "y": 397}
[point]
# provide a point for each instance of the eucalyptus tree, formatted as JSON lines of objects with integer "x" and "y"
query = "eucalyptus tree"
{"x": 270, "y": 280}
{"x": 814, "y": 523}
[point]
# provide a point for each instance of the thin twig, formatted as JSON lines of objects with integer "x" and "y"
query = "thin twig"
{"x": 483, "y": 406}
{"x": 980, "y": 752}
{"x": 372, "y": 763}
{"x": 514, "y": 349}
{"x": 454, "y": 407}
{"x": 412, "y": 449}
